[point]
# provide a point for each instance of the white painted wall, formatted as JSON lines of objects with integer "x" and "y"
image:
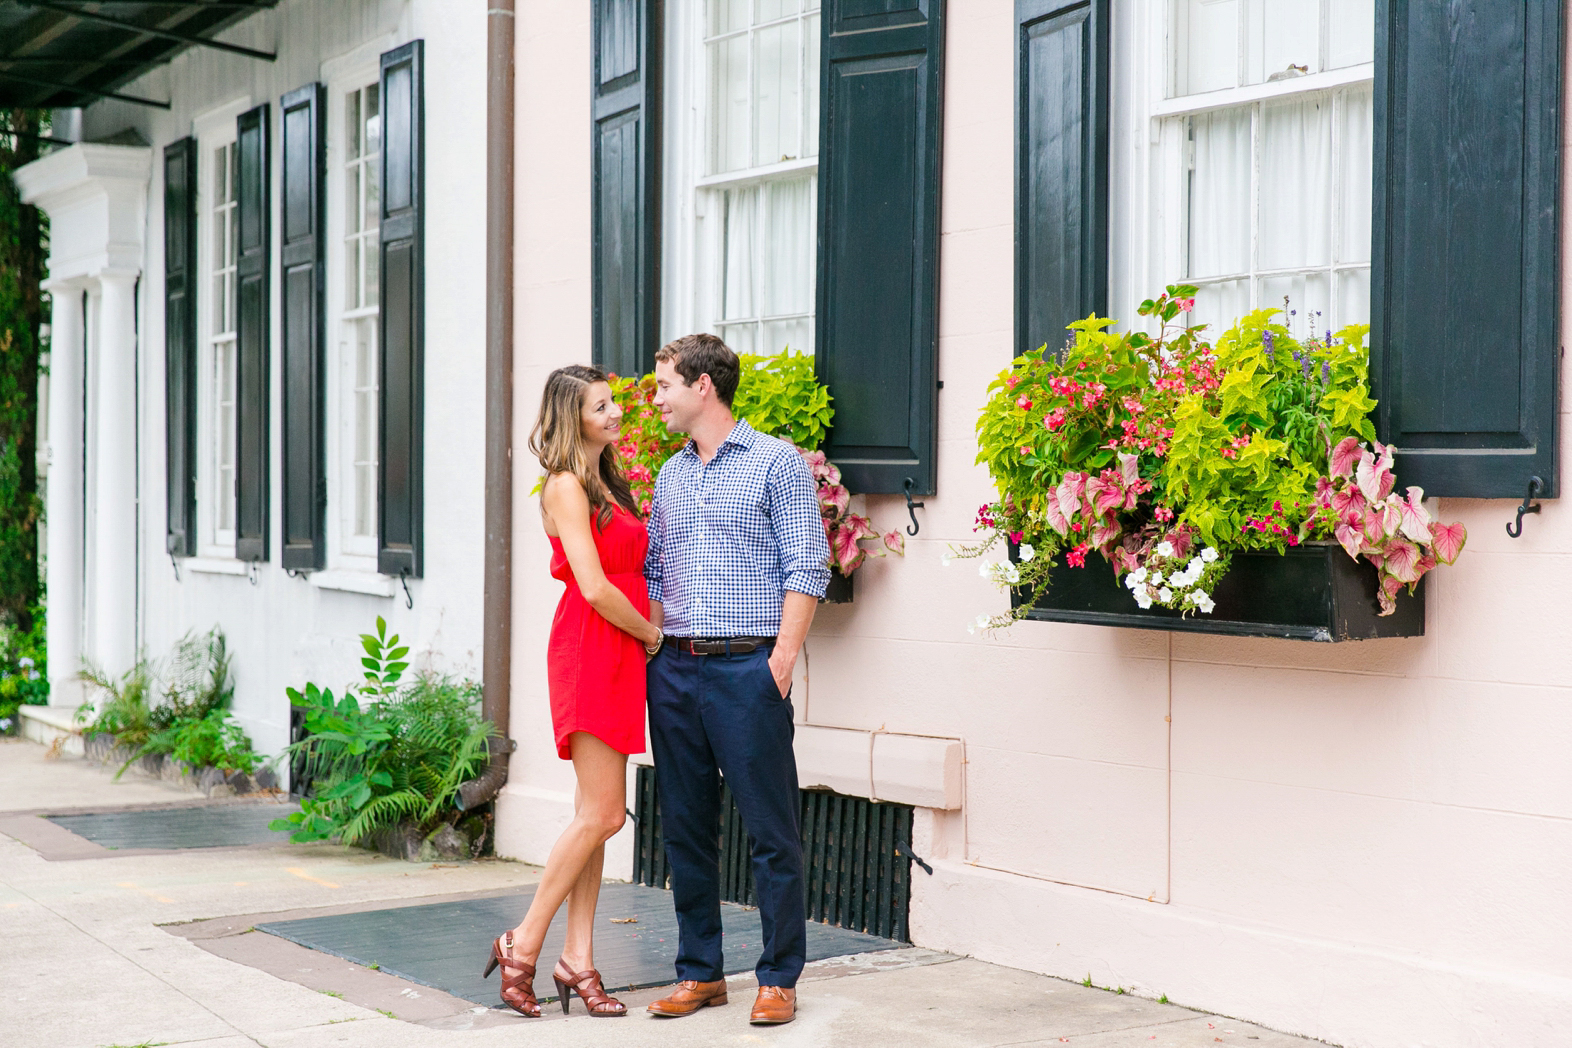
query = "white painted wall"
{"x": 1366, "y": 843}
{"x": 285, "y": 631}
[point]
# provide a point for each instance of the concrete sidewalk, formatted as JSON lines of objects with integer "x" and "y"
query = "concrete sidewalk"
{"x": 108, "y": 951}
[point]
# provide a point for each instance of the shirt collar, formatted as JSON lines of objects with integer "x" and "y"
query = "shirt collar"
{"x": 742, "y": 435}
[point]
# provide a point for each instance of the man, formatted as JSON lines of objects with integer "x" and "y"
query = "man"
{"x": 737, "y": 562}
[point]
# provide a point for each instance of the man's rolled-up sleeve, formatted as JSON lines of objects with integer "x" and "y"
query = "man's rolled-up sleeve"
{"x": 799, "y": 527}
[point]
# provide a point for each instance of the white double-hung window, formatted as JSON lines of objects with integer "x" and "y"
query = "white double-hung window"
{"x": 1262, "y": 137}
{"x": 741, "y": 163}
{"x": 354, "y": 155}
{"x": 217, "y": 256}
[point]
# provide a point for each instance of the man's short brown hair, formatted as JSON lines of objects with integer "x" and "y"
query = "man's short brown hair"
{"x": 703, "y": 354}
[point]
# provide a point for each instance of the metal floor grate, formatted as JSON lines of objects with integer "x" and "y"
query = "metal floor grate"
{"x": 445, "y": 945}
{"x": 215, "y": 826}
{"x": 857, "y": 852}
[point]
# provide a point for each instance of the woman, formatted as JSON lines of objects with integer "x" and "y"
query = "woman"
{"x": 600, "y": 640}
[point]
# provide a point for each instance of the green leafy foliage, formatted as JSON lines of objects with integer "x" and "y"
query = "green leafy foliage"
{"x": 1166, "y": 453}
{"x": 394, "y": 754}
{"x": 24, "y": 670}
{"x": 176, "y": 705}
{"x": 781, "y": 395}
{"x": 21, "y": 317}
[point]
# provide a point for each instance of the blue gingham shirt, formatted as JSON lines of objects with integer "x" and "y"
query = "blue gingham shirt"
{"x": 730, "y": 536}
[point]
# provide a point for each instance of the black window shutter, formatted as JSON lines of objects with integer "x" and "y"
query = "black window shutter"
{"x": 402, "y": 316}
{"x": 180, "y": 344}
{"x": 1465, "y": 266}
{"x": 251, "y": 334}
{"x": 1061, "y": 173}
{"x": 303, "y": 241}
{"x": 625, "y": 101}
{"x": 878, "y": 287}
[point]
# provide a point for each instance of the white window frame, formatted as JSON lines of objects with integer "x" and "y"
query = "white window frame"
{"x": 213, "y": 130}
{"x": 1148, "y": 230}
{"x": 350, "y": 557}
{"x": 692, "y": 202}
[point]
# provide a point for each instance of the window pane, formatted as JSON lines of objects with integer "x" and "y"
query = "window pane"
{"x": 729, "y": 104}
{"x": 727, "y": 16}
{"x": 778, "y": 83}
{"x": 370, "y": 176}
{"x": 1220, "y": 304}
{"x": 373, "y": 121}
{"x": 352, "y": 208}
{"x": 1296, "y": 184}
{"x": 1353, "y": 298}
{"x": 1212, "y": 47}
{"x": 1309, "y": 300}
{"x": 742, "y": 338}
{"x": 1285, "y": 33}
{"x": 810, "y": 29}
{"x": 1355, "y": 131}
{"x": 769, "y": 10}
{"x": 740, "y": 226}
{"x": 1220, "y": 194}
{"x": 1351, "y": 34}
{"x": 352, "y": 124}
{"x": 796, "y": 335}
{"x": 788, "y": 246}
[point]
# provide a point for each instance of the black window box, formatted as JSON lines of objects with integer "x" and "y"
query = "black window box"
{"x": 839, "y": 591}
{"x": 1311, "y": 592}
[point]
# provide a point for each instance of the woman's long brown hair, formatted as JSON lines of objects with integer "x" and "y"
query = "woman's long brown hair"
{"x": 558, "y": 441}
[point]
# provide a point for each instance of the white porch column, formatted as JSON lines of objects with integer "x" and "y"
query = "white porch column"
{"x": 64, "y": 550}
{"x": 114, "y": 482}
{"x": 96, "y": 199}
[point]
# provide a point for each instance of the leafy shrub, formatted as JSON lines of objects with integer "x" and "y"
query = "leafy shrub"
{"x": 782, "y": 396}
{"x": 1166, "y": 454}
{"x": 400, "y": 757}
{"x": 24, "y": 670}
{"x": 177, "y": 706}
{"x": 645, "y": 444}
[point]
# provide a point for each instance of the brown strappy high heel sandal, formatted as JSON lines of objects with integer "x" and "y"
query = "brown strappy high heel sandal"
{"x": 518, "y": 991}
{"x": 589, "y": 987}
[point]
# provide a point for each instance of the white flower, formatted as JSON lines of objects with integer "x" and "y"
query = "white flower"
{"x": 945, "y": 560}
{"x": 1165, "y": 548}
{"x": 1027, "y": 553}
{"x": 1143, "y": 598}
{"x": 1155, "y": 578}
{"x": 1139, "y": 575}
{"x": 1165, "y": 594}
{"x": 1009, "y": 572}
{"x": 1202, "y": 601}
{"x": 985, "y": 569}
{"x": 1209, "y": 554}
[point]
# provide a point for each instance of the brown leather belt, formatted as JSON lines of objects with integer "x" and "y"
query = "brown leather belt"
{"x": 719, "y": 645}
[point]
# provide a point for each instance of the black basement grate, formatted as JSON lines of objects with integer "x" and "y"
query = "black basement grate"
{"x": 857, "y": 852}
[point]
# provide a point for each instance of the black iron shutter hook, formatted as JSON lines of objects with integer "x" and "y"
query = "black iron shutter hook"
{"x": 912, "y": 507}
{"x": 403, "y": 580}
{"x": 1535, "y": 486}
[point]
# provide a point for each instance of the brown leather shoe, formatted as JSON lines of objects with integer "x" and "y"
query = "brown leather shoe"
{"x": 774, "y": 1005}
{"x": 689, "y": 996}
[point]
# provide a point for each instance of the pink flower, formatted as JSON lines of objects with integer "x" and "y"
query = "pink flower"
{"x": 1186, "y": 304}
{"x": 1016, "y": 536}
{"x": 1012, "y": 381}
{"x": 1024, "y": 403}
{"x": 1076, "y": 558}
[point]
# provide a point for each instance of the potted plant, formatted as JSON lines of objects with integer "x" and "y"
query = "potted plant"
{"x": 1174, "y": 460}
{"x": 780, "y": 395}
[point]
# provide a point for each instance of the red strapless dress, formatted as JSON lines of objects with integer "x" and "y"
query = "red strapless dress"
{"x": 594, "y": 670}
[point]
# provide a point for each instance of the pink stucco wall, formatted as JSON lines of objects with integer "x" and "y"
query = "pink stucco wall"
{"x": 1367, "y": 843}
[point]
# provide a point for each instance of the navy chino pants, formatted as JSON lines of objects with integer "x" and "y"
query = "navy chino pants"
{"x": 713, "y": 715}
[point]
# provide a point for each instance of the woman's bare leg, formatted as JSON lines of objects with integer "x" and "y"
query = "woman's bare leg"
{"x": 600, "y": 811}
{"x": 578, "y": 951}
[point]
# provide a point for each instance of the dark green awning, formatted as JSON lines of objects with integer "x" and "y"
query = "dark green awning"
{"x": 56, "y": 54}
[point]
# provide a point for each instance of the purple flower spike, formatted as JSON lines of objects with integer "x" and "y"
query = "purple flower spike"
{"x": 1326, "y": 373}
{"x": 1305, "y": 366}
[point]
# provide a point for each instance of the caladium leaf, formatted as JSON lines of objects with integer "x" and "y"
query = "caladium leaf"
{"x": 1343, "y": 457}
{"x": 1069, "y": 495}
{"x": 1391, "y": 517}
{"x": 1387, "y": 594}
{"x": 1401, "y": 558}
{"x": 1416, "y": 519}
{"x": 1365, "y": 476}
{"x": 1350, "y": 537}
{"x": 836, "y": 497}
{"x": 1374, "y": 530}
{"x": 1447, "y": 541}
{"x": 1054, "y": 514}
{"x": 1349, "y": 500}
{"x": 1109, "y": 496}
{"x": 1129, "y": 468}
{"x": 1324, "y": 492}
{"x": 895, "y": 542}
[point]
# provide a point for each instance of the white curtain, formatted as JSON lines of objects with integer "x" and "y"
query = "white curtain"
{"x": 768, "y": 266}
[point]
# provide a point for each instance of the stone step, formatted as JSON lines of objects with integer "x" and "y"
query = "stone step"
{"x": 53, "y": 726}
